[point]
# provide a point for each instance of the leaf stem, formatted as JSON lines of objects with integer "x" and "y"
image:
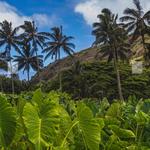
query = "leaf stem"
{"x": 69, "y": 133}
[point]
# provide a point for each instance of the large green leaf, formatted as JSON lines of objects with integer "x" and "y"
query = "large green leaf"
{"x": 37, "y": 97}
{"x": 65, "y": 125}
{"x": 7, "y": 122}
{"x": 89, "y": 126}
{"x": 142, "y": 118}
{"x": 41, "y": 124}
{"x": 143, "y": 105}
{"x": 122, "y": 133}
{"x": 114, "y": 110}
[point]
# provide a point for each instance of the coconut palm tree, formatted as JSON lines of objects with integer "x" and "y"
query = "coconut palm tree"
{"x": 136, "y": 22}
{"x": 58, "y": 42}
{"x": 36, "y": 38}
{"x": 32, "y": 35}
{"x": 10, "y": 40}
{"x": 110, "y": 40}
{"x": 27, "y": 60}
{"x": 9, "y": 36}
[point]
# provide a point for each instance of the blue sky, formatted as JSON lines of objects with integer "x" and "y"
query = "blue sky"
{"x": 58, "y": 12}
{"x": 76, "y": 16}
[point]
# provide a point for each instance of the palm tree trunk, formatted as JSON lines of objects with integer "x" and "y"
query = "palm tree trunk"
{"x": 28, "y": 75}
{"x": 118, "y": 79}
{"x": 1, "y": 82}
{"x": 38, "y": 69}
{"x": 143, "y": 41}
{"x": 145, "y": 50}
{"x": 59, "y": 74}
{"x": 12, "y": 80}
{"x": 13, "y": 88}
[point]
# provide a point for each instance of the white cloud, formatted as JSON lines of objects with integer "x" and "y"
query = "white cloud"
{"x": 44, "y": 20}
{"x": 89, "y": 9}
{"x": 10, "y": 13}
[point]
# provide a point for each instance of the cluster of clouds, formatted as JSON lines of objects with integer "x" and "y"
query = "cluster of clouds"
{"x": 10, "y": 13}
{"x": 89, "y": 9}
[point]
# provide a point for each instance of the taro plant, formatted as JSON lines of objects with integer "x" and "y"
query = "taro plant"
{"x": 40, "y": 121}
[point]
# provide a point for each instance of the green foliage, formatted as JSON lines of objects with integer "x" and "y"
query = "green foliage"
{"x": 40, "y": 124}
{"x": 89, "y": 126}
{"x": 6, "y": 85}
{"x": 7, "y": 122}
{"x": 41, "y": 121}
{"x": 98, "y": 80}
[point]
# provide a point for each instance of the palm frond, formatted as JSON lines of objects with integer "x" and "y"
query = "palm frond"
{"x": 147, "y": 16}
{"x": 138, "y": 5}
{"x": 127, "y": 18}
{"x": 131, "y": 12}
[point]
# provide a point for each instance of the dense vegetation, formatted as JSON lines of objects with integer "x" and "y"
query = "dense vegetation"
{"x": 98, "y": 80}
{"x": 90, "y": 79}
{"x": 54, "y": 121}
{"x": 6, "y": 85}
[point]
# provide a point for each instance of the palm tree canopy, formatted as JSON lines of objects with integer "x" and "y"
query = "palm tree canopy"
{"x": 27, "y": 60}
{"x": 110, "y": 37}
{"x": 58, "y": 42}
{"x": 9, "y": 36}
{"x": 105, "y": 29}
{"x": 32, "y": 35}
{"x": 136, "y": 21}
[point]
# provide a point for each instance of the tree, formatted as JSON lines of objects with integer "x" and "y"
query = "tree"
{"x": 32, "y": 35}
{"x": 136, "y": 22}
{"x": 58, "y": 42}
{"x": 27, "y": 60}
{"x": 9, "y": 39}
{"x": 110, "y": 40}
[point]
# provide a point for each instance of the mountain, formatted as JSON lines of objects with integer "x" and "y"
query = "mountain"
{"x": 86, "y": 55}
{"x": 51, "y": 70}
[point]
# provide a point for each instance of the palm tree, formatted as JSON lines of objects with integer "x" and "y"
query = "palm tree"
{"x": 110, "y": 39}
{"x": 32, "y": 35}
{"x": 9, "y": 39}
{"x": 136, "y": 22}
{"x": 27, "y": 60}
{"x": 58, "y": 42}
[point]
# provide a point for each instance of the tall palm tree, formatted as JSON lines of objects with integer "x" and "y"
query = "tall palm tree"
{"x": 32, "y": 35}
{"x": 136, "y": 22}
{"x": 58, "y": 42}
{"x": 110, "y": 39}
{"x": 10, "y": 40}
{"x": 27, "y": 60}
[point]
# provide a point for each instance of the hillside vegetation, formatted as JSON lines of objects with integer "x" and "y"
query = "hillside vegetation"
{"x": 98, "y": 80}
